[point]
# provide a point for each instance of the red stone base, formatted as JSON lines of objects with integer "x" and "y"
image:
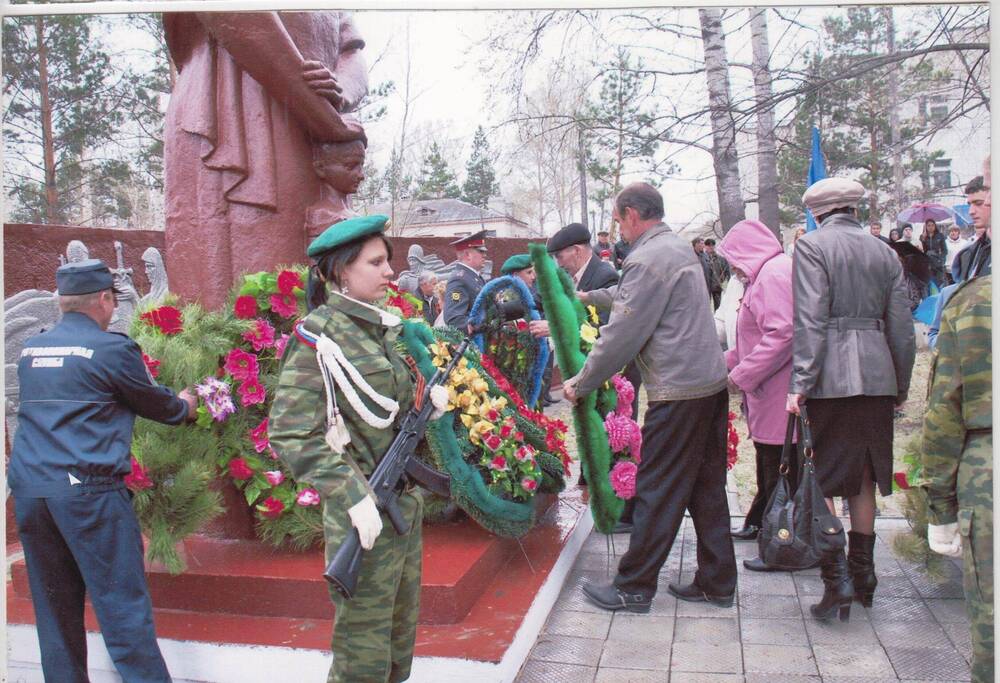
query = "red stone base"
{"x": 477, "y": 589}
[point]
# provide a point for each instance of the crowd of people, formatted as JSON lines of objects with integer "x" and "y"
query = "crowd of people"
{"x": 824, "y": 323}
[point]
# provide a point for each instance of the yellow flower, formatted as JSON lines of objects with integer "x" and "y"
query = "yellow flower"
{"x": 480, "y": 386}
{"x": 588, "y": 333}
{"x": 592, "y": 310}
{"x": 478, "y": 429}
{"x": 499, "y": 403}
{"x": 467, "y": 421}
{"x": 465, "y": 399}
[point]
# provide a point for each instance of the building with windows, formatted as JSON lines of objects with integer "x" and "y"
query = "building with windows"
{"x": 450, "y": 218}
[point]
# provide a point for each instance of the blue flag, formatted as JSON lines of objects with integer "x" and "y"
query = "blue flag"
{"x": 817, "y": 171}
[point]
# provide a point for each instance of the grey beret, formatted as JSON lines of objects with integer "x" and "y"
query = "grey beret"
{"x": 828, "y": 194}
{"x": 574, "y": 233}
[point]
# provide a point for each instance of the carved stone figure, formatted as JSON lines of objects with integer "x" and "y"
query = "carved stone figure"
{"x": 157, "y": 274}
{"x": 126, "y": 296}
{"x": 26, "y": 314}
{"x": 255, "y": 93}
{"x": 409, "y": 279}
{"x": 76, "y": 251}
{"x": 340, "y": 168}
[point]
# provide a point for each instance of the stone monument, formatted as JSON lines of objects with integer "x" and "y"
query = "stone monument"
{"x": 157, "y": 275}
{"x": 340, "y": 168}
{"x": 25, "y": 314}
{"x": 255, "y": 94}
{"x": 76, "y": 251}
{"x": 409, "y": 279}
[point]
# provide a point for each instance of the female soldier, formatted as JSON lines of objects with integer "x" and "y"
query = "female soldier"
{"x": 336, "y": 447}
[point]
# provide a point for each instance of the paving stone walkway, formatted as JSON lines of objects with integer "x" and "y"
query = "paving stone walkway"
{"x": 916, "y": 629}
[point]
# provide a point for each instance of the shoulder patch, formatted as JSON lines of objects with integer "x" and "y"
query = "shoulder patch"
{"x": 456, "y": 296}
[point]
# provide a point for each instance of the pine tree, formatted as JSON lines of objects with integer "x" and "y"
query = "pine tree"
{"x": 480, "y": 177}
{"x": 436, "y": 181}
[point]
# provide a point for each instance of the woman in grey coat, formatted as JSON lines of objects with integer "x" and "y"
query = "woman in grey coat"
{"x": 852, "y": 354}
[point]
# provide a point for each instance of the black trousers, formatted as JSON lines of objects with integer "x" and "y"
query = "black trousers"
{"x": 89, "y": 544}
{"x": 683, "y": 467}
{"x": 768, "y": 458}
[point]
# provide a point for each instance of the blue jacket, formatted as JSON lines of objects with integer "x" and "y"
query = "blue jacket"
{"x": 81, "y": 389}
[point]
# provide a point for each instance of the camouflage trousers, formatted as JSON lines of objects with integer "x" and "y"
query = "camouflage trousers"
{"x": 975, "y": 523}
{"x": 374, "y": 632}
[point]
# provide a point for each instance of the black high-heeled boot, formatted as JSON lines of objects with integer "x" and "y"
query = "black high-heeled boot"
{"x": 861, "y": 562}
{"x": 838, "y": 590}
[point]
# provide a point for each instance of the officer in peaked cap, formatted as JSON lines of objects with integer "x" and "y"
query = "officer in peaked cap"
{"x": 81, "y": 389}
{"x": 465, "y": 280}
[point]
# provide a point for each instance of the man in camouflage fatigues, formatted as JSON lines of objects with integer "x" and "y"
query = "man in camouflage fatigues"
{"x": 958, "y": 453}
{"x": 375, "y": 630}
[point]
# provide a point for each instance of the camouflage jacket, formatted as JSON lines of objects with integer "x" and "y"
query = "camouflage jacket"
{"x": 960, "y": 402}
{"x": 297, "y": 426}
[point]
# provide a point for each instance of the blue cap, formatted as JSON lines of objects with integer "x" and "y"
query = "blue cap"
{"x": 83, "y": 277}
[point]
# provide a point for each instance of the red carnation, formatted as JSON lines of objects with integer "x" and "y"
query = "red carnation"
{"x": 493, "y": 442}
{"x": 272, "y": 508}
{"x": 529, "y": 484}
{"x": 521, "y": 325}
{"x": 241, "y": 365}
{"x": 493, "y": 415}
{"x": 239, "y": 469}
{"x": 505, "y": 431}
{"x": 245, "y": 307}
{"x": 152, "y": 365}
{"x": 138, "y": 479}
{"x": 251, "y": 392}
{"x": 285, "y": 305}
{"x": 288, "y": 280}
{"x": 498, "y": 463}
{"x": 167, "y": 319}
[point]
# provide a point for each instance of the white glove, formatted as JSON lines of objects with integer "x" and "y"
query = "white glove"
{"x": 367, "y": 520}
{"x": 439, "y": 399}
{"x": 944, "y": 539}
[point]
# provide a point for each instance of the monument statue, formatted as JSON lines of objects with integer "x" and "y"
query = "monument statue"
{"x": 126, "y": 295}
{"x": 409, "y": 279}
{"x": 26, "y": 314}
{"x": 157, "y": 275}
{"x": 255, "y": 93}
{"x": 340, "y": 168}
{"x": 76, "y": 251}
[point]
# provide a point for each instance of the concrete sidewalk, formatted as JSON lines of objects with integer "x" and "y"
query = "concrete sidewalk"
{"x": 916, "y": 630}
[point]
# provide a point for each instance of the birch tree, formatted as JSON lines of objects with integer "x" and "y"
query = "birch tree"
{"x": 767, "y": 158}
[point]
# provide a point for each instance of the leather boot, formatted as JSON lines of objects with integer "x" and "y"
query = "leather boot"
{"x": 861, "y": 561}
{"x": 838, "y": 590}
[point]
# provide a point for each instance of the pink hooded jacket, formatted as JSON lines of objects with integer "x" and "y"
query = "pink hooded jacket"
{"x": 761, "y": 363}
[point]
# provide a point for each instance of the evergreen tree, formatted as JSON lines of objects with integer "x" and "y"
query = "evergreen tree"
{"x": 480, "y": 177}
{"x": 852, "y": 113}
{"x": 436, "y": 181}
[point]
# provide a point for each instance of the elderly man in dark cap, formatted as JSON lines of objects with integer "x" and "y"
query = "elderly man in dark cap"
{"x": 852, "y": 354}
{"x": 81, "y": 389}
{"x": 603, "y": 243}
{"x": 465, "y": 280}
{"x": 658, "y": 315}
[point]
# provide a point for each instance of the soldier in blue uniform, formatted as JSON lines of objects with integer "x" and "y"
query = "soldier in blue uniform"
{"x": 465, "y": 281}
{"x": 81, "y": 389}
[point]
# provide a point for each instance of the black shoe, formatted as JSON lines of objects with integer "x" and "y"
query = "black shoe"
{"x": 838, "y": 590}
{"x": 607, "y": 596}
{"x": 861, "y": 563}
{"x": 759, "y": 565}
{"x": 622, "y": 528}
{"x": 693, "y": 593}
{"x": 747, "y": 533}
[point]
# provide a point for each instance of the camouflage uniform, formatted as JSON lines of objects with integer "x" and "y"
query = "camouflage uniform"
{"x": 958, "y": 452}
{"x": 375, "y": 631}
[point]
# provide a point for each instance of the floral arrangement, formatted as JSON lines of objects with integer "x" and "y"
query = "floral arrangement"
{"x": 732, "y": 442}
{"x": 407, "y": 304}
{"x": 625, "y": 440}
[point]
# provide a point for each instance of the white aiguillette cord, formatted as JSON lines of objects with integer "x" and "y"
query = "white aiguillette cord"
{"x": 333, "y": 363}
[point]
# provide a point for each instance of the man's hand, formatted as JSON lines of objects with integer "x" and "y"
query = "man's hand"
{"x": 793, "y": 403}
{"x": 323, "y": 82}
{"x": 539, "y": 328}
{"x": 584, "y": 297}
{"x": 192, "y": 401}
{"x": 569, "y": 390}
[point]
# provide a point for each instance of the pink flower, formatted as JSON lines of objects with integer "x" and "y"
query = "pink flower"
{"x": 524, "y": 453}
{"x": 272, "y": 508}
{"x": 245, "y": 307}
{"x": 251, "y": 392}
{"x": 259, "y": 437}
{"x": 241, "y": 365}
{"x": 288, "y": 280}
{"x": 308, "y": 497}
{"x": 499, "y": 463}
{"x": 623, "y": 433}
{"x": 505, "y": 431}
{"x": 622, "y": 477}
{"x": 626, "y": 394}
{"x": 261, "y": 336}
{"x": 529, "y": 484}
{"x": 239, "y": 469}
{"x": 138, "y": 479}
{"x": 274, "y": 477}
{"x": 279, "y": 346}
{"x": 494, "y": 442}
{"x": 285, "y": 305}
{"x": 217, "y": 397}
{"x": 493, "y": 415}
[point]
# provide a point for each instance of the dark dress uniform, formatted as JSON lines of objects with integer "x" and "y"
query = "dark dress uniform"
{"x": 81, "y": 389}
{"x": 463, "y": 284}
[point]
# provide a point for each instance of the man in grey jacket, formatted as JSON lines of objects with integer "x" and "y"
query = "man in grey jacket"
{"x": 659, "y": 318}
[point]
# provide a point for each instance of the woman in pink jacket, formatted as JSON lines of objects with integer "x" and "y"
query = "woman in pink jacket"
{"x": 760, "y": 365}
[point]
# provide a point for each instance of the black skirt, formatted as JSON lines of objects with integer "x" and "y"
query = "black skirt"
{"x": 849, "y": 433}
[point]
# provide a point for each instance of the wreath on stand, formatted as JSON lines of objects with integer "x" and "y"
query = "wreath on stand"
{"x": 233, "y": 356}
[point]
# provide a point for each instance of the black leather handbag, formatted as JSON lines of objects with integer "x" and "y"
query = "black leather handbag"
{"x": 798, "y": 531}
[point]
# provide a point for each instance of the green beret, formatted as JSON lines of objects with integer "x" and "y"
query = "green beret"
{"x": 347, "y": 231}
{"x": 515, "y": 263}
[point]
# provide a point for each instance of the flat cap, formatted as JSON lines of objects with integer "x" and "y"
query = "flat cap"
{"x": 345, "y": 231}
{"x": 83, "y": 277}
{"x": 828, "y": 194}
{"x": 515, "y": 263}
{"x": 476, "y": 240}
{"x": 574, "y": 233}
